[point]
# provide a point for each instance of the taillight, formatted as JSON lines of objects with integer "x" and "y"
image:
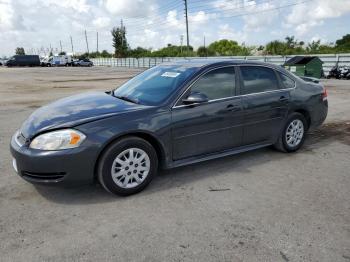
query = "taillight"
{"x": 324, "y": 94}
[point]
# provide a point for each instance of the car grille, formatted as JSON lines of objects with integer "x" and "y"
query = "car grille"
{"x": 43, "y": 177}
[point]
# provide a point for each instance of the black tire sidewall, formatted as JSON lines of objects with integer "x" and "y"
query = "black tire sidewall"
{"x": 106, "y": 161}
{"x": 291, "y": 118}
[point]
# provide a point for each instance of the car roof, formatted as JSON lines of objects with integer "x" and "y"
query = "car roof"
{"x": 205, "y": 62}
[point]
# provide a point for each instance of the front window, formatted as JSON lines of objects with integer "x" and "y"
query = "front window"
{"x": 218, "y": 83}
{"x": 155, "y": 85}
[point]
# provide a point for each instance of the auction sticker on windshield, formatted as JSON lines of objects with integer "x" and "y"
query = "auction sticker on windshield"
{"x": 170, "y": 74}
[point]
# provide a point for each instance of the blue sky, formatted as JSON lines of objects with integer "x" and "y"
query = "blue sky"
{"x": 37, "y": 24}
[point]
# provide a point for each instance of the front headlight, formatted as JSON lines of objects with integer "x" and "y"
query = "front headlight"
{"x": 58, "y": 140}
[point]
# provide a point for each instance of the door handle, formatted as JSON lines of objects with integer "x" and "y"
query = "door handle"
{"x": 233, "y": 108}
{"x": 284, "y": 99}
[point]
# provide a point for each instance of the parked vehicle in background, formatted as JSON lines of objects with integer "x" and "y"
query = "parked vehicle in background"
{"x": 344, "y": 71}
{"x": 170, "y": 115}
{"x": 46, "y": 61}
{"x": 84, "y": 62}
{"x": 23, "y": 60}
{"x": 61, "y": 60}
{"x": 346, "y": 74}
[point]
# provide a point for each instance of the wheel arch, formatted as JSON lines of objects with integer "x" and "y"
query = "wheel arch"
{"x": 157, "y": 145}
{"x": 306, "y": 114}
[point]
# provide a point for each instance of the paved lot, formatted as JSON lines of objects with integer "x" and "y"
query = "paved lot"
{"x": 279, "y": 207}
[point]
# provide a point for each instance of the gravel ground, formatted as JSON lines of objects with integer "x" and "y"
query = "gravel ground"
{"x": 273, "y": 207}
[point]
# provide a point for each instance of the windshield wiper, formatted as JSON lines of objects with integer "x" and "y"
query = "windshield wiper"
{"x": 125, "y": 98}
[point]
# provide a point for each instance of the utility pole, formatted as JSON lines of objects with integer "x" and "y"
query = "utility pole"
{"x": 61, "y": 45}
{"x": 123, "y": 33}
{"x": 87, "y": 44}
{"x": 186, "y": 16}
{"x": 71, "y": 42}
{"x": 97, "y": 42}
{"x": 181, "y": 41}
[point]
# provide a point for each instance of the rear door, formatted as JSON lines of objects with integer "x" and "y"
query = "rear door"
{"x": 212, "y": 126}
{"x": 265, "y": 104}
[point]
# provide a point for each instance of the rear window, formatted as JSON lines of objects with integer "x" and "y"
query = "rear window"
{"x": 257, "y": 79}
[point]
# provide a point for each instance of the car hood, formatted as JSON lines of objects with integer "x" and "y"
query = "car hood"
{"x": 75, "y": 110}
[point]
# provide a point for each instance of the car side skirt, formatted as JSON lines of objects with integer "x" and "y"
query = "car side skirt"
{"x": 197, "y": 159}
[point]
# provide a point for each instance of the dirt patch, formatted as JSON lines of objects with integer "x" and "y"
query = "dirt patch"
{"x": 332, "y": 131}
{"x": 63, "y": 87}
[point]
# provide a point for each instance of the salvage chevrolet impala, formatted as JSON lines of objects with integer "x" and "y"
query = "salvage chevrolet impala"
{"x": 168, "y": 116}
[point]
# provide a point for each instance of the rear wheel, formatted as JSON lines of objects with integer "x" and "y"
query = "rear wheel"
{"x": 293, "y": 134}
{"x": 127, "y": 166}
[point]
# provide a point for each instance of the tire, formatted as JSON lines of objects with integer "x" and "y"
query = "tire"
{"x": 282, "y": 144}
{"x": 129, "y": 170}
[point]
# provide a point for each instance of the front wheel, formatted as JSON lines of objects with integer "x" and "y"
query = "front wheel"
{"x": 293, "y": 133}
{"x": 127, "y": 166}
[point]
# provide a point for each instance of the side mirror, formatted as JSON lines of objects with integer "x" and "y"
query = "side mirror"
{"x": 195, "y": 98}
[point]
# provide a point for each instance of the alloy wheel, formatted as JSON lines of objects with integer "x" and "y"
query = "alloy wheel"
{"x": 130, "y": 168}
{"x": 294, "y": 133}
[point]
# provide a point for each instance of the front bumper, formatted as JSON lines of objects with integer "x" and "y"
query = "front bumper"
{"x": 64, "y": 167}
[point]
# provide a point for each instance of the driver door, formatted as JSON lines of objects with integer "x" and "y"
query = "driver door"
{"x": 209, "y": 127}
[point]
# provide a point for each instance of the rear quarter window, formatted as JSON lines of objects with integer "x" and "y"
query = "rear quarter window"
{"x": 287, "y": 82}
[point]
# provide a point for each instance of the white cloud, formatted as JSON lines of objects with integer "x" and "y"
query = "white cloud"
{"x": 262, "y": 16}
{"x": 129, "y": 8}
{"x": 305, "y": 17}
{"x": 199, "y": 17}
{"x": 172, "y": 19}
{"x": 80, "y": 6}
{"x": 9, "y": 20}
{"x": 226, "y": 32}
{"x": 101, "y": 22}
{"x": 256, "y": 15}
{"x": 151, "y": 23}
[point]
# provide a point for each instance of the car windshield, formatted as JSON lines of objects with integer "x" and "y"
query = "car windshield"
{"x": 155, "y": 85}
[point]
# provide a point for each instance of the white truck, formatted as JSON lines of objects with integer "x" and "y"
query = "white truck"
{"x": 61, "y": 60}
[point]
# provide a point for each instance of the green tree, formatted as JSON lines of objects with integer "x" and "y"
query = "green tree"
{"x": 20, "y": 51}
{"x": 120, "y": 43}
{"x": 275, "y": 47}
{"x": 290, "y": 42}
{"x": 227, "y": 47}
{"x": 62, "y": 53}
{"x": 202, "y": 51}
{"x": 139, "y": 52}
{"x": 343, "y": 44}
{"x": 105, "y": 54}
{"x": 173, "y": 51}
{"x": 313, "y": 47}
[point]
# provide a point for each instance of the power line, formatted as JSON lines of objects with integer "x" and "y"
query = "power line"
{"x": 165, "y": 24}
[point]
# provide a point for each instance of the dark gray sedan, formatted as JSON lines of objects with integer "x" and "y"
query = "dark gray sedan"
{"x": 170, "y": 115}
